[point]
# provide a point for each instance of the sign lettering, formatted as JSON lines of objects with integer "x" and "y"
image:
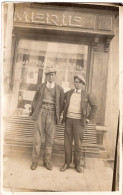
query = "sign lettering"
{"x": 54, "y": 17}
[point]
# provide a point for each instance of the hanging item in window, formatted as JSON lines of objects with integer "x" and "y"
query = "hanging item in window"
{"x": 32, "y": 75}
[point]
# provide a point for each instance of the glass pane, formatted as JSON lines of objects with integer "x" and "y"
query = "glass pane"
{"x": 34, "y": 56}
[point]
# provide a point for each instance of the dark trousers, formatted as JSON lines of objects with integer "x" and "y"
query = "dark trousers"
{"x": 73, "y": 130}
{"x": 43, "y": 126}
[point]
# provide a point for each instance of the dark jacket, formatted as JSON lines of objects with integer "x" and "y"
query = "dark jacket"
{"x": 86, "y": 100}
{"x": 37, "y": 101}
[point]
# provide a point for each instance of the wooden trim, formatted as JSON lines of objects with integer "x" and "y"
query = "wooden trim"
{"x": 107, "y": 44}
{"x": 95, "y": 43}
{"x": 13, "y": 58}
{"x": 88, "y": 68}
{"x": 107, "y": 60}
{"x": 91, "y": 69}
{"x": 58, "y": 37}
{"x": 101, "y": 128}
{"x": 63, "y": 29}
{"x": 70, "y": 6}
{"x": 24, "y": 129}
{"x": 14, "y": 97}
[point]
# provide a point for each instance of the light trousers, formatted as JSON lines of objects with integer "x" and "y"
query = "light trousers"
{"x": 43, "y": 126}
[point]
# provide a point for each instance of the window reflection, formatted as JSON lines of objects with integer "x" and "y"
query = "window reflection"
{"x": 34, "y": 56}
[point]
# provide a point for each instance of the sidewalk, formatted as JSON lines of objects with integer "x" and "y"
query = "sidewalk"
{"x": 18, "y": 176}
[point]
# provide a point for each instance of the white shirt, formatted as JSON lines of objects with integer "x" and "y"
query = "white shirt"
{"x": 74, "y": 109}
{"x": 50, "y": 85}
{"x": 77, "y": 90}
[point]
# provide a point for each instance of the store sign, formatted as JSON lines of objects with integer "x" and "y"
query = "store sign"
{"x": 54, "y": 17}
{"x": 60, "y": 66}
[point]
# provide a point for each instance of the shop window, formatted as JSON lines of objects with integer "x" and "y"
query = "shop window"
{"x": 32, "y": 58}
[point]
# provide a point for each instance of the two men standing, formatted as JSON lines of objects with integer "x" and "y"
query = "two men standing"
{"x": 47, "y": 105}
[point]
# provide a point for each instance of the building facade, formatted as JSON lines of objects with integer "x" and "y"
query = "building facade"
{"x": 77, "y": 38}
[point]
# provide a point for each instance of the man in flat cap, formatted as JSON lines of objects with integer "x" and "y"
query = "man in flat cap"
{"x": 46, "y": 108}
{"x": 75, "y": 118}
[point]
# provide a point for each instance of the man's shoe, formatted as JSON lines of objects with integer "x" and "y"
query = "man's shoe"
{"x": 78, "y": 168}
{"x": 48, "y": 165}
{"x": 34, "y": 165}
{"x": 64, "y": 167}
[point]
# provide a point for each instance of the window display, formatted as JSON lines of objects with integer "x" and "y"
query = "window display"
{"x": 34, "y": 56}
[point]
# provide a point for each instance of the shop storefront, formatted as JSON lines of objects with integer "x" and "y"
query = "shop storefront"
{"x": 75, "y": 39}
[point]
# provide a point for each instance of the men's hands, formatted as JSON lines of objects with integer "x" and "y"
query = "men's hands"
{"x": 61, "y": 118}
{"x": 30, "y": 111}
{"x": 62, "y": 122}
{"x": 87, "y": 121}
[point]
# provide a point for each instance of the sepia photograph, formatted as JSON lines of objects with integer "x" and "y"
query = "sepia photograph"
{"x": 61, "y": 97}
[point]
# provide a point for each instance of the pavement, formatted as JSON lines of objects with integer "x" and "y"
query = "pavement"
{"x": 17, "y": 175}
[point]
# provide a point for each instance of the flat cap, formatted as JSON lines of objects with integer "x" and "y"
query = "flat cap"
{"x": 80, "y": 77}
{"x": 50, "y": 70}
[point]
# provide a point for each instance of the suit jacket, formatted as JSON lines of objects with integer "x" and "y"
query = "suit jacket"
{"x": 86, "y": 100}
{"x": 37, "y": 101}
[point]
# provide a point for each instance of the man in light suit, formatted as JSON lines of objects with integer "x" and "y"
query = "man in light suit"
{"x": 46, "y": 108}
{"x": 75, "y": 118}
